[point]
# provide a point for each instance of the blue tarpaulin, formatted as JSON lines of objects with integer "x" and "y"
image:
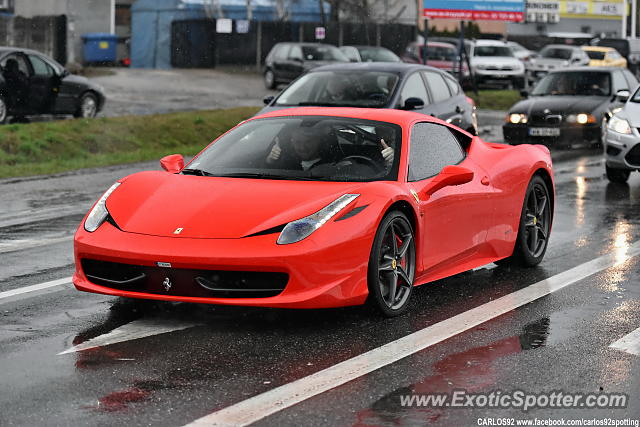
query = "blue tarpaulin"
{"x": 151, "y": 22}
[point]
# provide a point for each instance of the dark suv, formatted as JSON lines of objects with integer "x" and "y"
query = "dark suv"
{"x": 287, "y": 61}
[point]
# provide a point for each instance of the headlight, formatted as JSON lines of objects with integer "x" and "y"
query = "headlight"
{"x": 619, "y": 125}
{"x": 99, "y": 212}
{"x": 302, "y": 228}
{"x": 481, "y": 67}
{"x": 517, "y": 118}
{"x": 581, "y": 119}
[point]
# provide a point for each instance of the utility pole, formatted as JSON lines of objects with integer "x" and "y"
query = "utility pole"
{"x": 634, "y": 17}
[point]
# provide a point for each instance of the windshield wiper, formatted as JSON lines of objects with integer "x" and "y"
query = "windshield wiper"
{"x": 263, "y": 176}
{"x": 199, "y": 172}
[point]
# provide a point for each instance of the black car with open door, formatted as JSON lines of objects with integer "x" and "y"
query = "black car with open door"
{"x": 34, "y": 84}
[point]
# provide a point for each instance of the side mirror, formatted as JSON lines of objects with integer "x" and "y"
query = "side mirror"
{"x": 524, "y": 93}
{"x": 413, "y": 103}
{"x": 173, "y": 163}
{"x": 267, "y": 99}
{"x": 622, "y": 95}
{"x": 450, "y": 175}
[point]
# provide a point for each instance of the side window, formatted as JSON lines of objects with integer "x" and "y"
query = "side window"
{"x": 432, "y": 148}
{"x": 437, "y": 86}
{"x": 619, "y": 82}
{"x": 22, "y": 64}
{"x": 414, "y": 88}
{"x": 40, "y": 68}
{"x": 454, "y": 87}
{"x": 282, "y": 52}
{"x": 295, "y": 52}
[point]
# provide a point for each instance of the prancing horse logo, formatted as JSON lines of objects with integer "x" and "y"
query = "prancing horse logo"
{"x": 167, "y": 284}
{"x": 178, "y": 230}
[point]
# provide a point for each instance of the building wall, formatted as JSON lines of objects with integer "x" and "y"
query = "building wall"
{"x": 83, "y": 16}
{"x": 610, "y": 28}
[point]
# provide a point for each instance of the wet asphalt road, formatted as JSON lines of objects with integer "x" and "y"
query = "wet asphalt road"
{"x": 221, "y": 356}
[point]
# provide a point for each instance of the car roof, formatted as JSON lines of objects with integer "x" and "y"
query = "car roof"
{"x": 587, "y": 68}
{"x": 391, "y": 67}
{"x": 489, "y": 42}
{"x": 399, "y": 117}
{"x": 561, "y": 46}
{"x": 364, "y": 46}
{"x": 597, "y": 48}
{"x": 305, "y": 44}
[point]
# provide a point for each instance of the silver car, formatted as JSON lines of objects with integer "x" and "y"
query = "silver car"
{"x": 622, "y": 140}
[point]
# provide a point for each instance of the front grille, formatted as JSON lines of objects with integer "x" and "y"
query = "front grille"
{"x": 633, "y": 156}
{"x": 545, "y": 119}
{"x": 184, "y": 282}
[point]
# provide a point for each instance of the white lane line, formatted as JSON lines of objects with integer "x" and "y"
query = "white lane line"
{"x": 19, "y": 245}
{"x": 33, "y": 288}
{"x": 279, "y": 398}
{"x": 132, "y": 331}
{"x": 629, "y": 343}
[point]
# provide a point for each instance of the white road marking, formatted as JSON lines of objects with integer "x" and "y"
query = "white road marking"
{"x": 19, "y": 245}
{"x": 132, "y": 331}
{"x": 261, "y": 406}
{"x": 629, "y": 343}
{"x": 33, "y": 288}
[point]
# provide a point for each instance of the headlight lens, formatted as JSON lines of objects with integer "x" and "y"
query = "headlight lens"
{"x": 619, "y": 125}
{"x": 517, "y": 118}
{"x": 99, "y": 212}
{"x": 302, "y": 228}
{"x": 481, "y": 67}
{"x": 581, "y": 119}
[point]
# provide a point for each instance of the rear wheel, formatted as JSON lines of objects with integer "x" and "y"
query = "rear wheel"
{"x": 619, "y": 176}
{"x": 535, "y": 226}
{"x": 392, "y": 265}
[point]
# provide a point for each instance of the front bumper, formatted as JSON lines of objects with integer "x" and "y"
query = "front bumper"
{"x": 498, "y": 76}
{"x": 319, "y": 275}
{"x": 622, "y": 151}
{"x": 569, "y": 133}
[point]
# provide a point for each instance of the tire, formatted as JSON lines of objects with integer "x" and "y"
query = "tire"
{"x": 392, "y": 261}
{"x": 87, "y": 107}
{"x": 618, "y": 176}
{"x": 270, "y": 79}
{"x": 4, "y": 110}
{"x": 533, "y": 229}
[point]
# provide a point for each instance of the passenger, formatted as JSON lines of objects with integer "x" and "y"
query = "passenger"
{"x": 17, "y": 83}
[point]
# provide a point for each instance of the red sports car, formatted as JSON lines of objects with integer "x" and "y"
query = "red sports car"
{"x": 318, "y": 207}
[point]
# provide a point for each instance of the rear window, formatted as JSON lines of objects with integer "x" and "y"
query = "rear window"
{"x": 595, "y": 55}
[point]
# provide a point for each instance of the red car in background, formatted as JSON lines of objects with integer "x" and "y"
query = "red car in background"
{"x": 439, "y": 55}
{"x": 318, "y": 207}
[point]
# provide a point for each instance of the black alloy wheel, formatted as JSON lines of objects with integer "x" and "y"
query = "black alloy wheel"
{"x": 392, "y": 265}
{"x": 618, "y": 176}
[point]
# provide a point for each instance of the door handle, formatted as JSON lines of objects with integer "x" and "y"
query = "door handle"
{"x": 485, "y": 180}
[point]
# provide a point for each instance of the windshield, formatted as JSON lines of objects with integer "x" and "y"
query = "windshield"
{"x": 636, "y": 96}
{"x": 595, "y": 55}
{"x": 492, "y": 51}
{"x": 323, "y": 53}
{"x": 555, "y": 53}
{"x": 441, "y": 53}
{"x": 340, "y": 88}
{"x": 307, "y": 148}
{"x": 576, "y": 83}
{"x": 377, "y": 55}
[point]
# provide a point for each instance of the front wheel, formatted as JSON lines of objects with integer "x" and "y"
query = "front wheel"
{"x": 88, "y": 106}
{"x": 535, "y": 225}
{"x": 392, "y": 265}
{"x": 619, "y": 176}
{"x": 269, "y": 79}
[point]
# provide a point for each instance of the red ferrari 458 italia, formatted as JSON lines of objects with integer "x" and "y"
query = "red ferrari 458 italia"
{"x": 318, "y": 207}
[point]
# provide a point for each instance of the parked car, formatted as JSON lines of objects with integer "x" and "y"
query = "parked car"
{"x": 335, "y": 223}
{"x": 622, "y": 140}
{"x": 522, "y": 53}
{"x": 493, "y": 62}
{"x": 381, "y": 85}
{"x": 554, "y": 57}
{"x": 441, "y": 55}
{"x": 286, "y": 61}
{"x": 31, "y": 83}
{"x": 629, "y": 48}
{"x": 568, "y": 106}
{"x": 369, "y": 54}
{"x": 604, "y": 57}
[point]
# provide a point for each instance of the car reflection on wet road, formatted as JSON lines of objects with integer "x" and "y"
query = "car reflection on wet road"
{"x": 141, "y": 363}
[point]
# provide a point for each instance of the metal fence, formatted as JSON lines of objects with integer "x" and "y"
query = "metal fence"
{"x": 47, "y": 34}
{"x": 196, "y": 44}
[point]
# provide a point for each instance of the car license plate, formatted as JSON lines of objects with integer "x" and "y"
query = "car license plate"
{"x": 544, "y": 131}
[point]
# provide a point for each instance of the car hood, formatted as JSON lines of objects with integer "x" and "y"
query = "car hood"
{"x": 631, "y": 112}
{"x": 158, "y": 203}
{"x": 558, "y": 104}
{"x": 494, "y": 60}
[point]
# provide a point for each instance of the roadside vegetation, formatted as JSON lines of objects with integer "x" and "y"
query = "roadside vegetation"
{"x": 495, "y": 99}
{"x": 63, "y": 145}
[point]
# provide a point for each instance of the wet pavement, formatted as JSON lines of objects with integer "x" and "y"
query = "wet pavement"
{"x": 168, "y": 364}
